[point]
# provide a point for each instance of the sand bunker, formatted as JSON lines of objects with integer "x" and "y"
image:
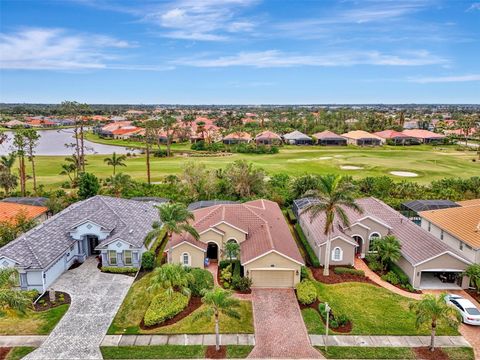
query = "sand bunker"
{"x": 298, "y": 160}
{"x": 324, "y": 158}
{"x": 404, "y": 173}
{"x": 350, "y": 167}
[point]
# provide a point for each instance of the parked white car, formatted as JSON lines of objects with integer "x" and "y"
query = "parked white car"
{"x": 470, "y": 313}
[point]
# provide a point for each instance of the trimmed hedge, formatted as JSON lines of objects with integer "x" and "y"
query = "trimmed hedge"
{"x": 308, "y": 249}
{"x": 160, "y": 242}
{"x": 306, "y": 292}
{"x": 345, "y": 270}
{"x": 119, "y": 270}
{"x": 148, "y": 260}
{"x": 402, "y": 277}
{"x": 164, "y": 307}
{"x": 203, "y": 279}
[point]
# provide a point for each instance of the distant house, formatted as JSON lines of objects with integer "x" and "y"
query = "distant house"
{"x": 297, "y": 138}
{"x": 410, "y": 124}
{"x": 10, "y": 211}
{"x": 425, "y": 136}
{"x": 107, "y": 130}
{"x": 268, "y": 138}
{"x": 118, "y": 118}
{"x": 363, "y": 138}
{"x": 14, "y": 124}
{"x": 41, "y": 123}
{"x": 238, "y": 137}
{"x": 393, "y": 137}
{"x": 27, "y": 200}
{"x": 329, "y": 138}
{"x": 125, "y": 132}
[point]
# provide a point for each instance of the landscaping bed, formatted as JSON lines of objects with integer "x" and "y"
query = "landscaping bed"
{"x": 360, "y": 352}
{"x": 335, "y": 278}
{"x": 44, "y": 302}
{"x": 193, "y": 304}
{"x": 473, "y": 293}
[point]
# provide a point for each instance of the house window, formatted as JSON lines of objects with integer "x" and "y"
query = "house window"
{"x": 112, "y": 257}
{"x": 127, "y": 257}
{"x": 460, "y": 245}
{"x": 373, "y": 237}
{"x": 185, "y": 259}
{"x": 441, "y": 234}
{"x": 337, "y": 254}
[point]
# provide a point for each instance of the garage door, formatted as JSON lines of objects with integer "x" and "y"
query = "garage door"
{"x": 270, "y": 278}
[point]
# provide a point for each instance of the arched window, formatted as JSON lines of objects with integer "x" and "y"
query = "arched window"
{"x": 185, "y": 259}
{"x": 372, "y": 238}
{"x": 337, "y": 254}
{"x": 232, "y": 254}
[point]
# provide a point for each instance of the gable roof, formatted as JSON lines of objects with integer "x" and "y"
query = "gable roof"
{"x": 128, "y": 220}
{"x": 238, "y": 135}
{"x": 328, "y": 135}
{"x": 296, "y": 135}
{"x": 423, "y": 134}
{"x": 9, "y": 211}
{"x": 268, "y": 135}
{"x": 391, "y": 134}
{"x": 360, "y": 134}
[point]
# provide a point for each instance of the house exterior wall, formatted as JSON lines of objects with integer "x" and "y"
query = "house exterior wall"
{"x": 274, "y": 260}
{"x": 54, "y": 271}
{"x": 348, "y": 253}
{"x": 119, "y": 247}
{"x": 35, "y": 280}
{"x": 220, "y": 240}
{"x": 407, "y": 268}
{"x": 197, "y": 256}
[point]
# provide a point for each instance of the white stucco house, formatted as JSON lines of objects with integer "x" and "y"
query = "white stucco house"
{"x": 112, "y": 228}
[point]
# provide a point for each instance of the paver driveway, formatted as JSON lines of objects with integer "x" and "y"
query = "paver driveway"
{"x": 96, "y": 297}
{"x": 279, "y": 328}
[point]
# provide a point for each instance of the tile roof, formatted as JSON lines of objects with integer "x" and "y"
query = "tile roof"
{"x": 238, "y": 135}
{"x": 262, "y": 220}
{"x": 129, "y": 221}
{"x": 423, "y": 134}
{"x": 391, "y": 134}
{"x": 461, "y": 222}
{"x": 418, "y": 244}
{"x": 469, "y": 202}
{"x": 360, "y": 134}
{"x": 8, "y": 211}
{"x": 296, "y": 135}
{"x": 327, "y": 135}
{"x": 268, "y": 135}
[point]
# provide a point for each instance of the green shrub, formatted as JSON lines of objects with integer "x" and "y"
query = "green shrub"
{"x": 344, "y": 270}
{"x": 160, "y": 153}
{"x": 32, "y": 294}
{"x": 334, "y": 324}
{"x": 203, "y": 280}
{"x": 342, "y": 319}
{"x": 237, "y": 267}
{"x": 160, "y": 243}
{"x": 119, "y": 270}
{"x": 148, "y": 260}
{"x": 306, "y": 292}
{"x": 241, "y": 283}
{"x": 304, "y": 273}
{"x": 373, "y": 263}
{"x": 391, "y": 277}
{"x": 226, "y": 276}
{"x": 164, "y": 307}
{"x": 311, "y": 254}
{"x": 402, "y": 277}
{"x": 222, "y": 264}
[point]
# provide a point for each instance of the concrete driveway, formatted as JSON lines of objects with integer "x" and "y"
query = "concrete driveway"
{"x": 279, "y": 328}
{"x": 96, "y": 297}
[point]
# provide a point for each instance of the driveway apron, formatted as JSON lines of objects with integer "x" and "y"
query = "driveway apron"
{"x": 279, "y": 328}
{"x": 96, "y": 297}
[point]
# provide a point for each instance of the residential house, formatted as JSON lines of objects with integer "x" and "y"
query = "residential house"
{"x": 10, "y": 211}
{"x": 125, "y": 132}
{"x": 393, "y": 137}
{"x": 297, "y": 138}
{"x": 37, "y": 123}
{"x": 363, "y": 138}
{"x": 268, "y": 252}
{"x": 15, "y": 124}
{"x": 238, "y": 137}
{"x": 329, "y": 138}
{"x": 425, "y": 136}
{"x": 113, "y": 229}
{"x": 107, "y": 130}
{"x": 268, "y": 138}
{"x": 28, "y": 200}
{"x": 427, "y": 261}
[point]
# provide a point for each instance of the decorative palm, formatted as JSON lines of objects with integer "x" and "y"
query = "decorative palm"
{"x": 6, "y": 162}
{"x": 433, "y": 310}
{"x": 68, "y": 169}
{"x": 332, "y": 196}
{"x": 9, "y": 297}
{"x": 118, "y": 182}
{"x": 218, "y": 301}
{"x": 473, "y": 272}
{"x": 175, "y": 219}
{"x": 232, "y": 249}
{"x": 170, "y": 278}
{"x": 115, "y": 160}
{"x": 388, "y": 250}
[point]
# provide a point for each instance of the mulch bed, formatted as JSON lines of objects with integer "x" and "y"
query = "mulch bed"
{"x": 313, "y": 305}
{"x": 44, "y": 302}
{"x": 334, "y": 278}
{"x": 473, "y": 293}
{"x": 194, "y": 304}
{"x": 5, "y": 350}
{"x": 424, "y": 353}
{"x": 212, "y": 353}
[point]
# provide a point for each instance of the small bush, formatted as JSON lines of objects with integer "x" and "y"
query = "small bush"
{"x": 148, "y": 260}
{"x": 164, "y": 307}
{"x": 160, "y": 153}
{"x": 222, "y": 264}
{"x": 32, "y": 294}
{"x": 226, "y": 276}
{"x": 402, "y": 277}
{"x": 241, "y": 283}
{"x": 334, "y": 324}
{"x": 304, "y": 273}
{"x": 342, "y": 319}
{"x": 344, "y": 270}
{"x": 203, "y": 280}
{"x": 119, "y": 270}
{"x": 306, "y": 292}
{"x": 391, "y": 277}
{"x": 311, "y": 254}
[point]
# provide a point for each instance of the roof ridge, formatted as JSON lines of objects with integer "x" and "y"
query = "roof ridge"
{"x": 214, "y": 207}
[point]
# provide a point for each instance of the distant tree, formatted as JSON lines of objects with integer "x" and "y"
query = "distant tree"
{"x": 8, "y": 181}
{"x": 117, "y": 183}
{"x": 245, "y": 179}
{"x": 20, "y": 149}
{"x": 7, "y": 162}
{"x": 115, "y": 160}
{"x": 467, "y": 125}
{"x": 31, "y": 138}
{"x": 151, "y": 137}
{"x": 168, "y": 124}
{"x": 88, "y": 185}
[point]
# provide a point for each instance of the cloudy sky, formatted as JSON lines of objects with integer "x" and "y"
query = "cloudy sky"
{"x": 240, "y": 51}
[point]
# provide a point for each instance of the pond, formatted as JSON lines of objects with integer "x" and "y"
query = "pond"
{"x": 52, "y": 142}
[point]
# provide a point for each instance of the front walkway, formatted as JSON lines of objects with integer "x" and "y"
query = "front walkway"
{"x": 279, "y": 328}
{"x": 388, "y": 341}
{"x": 96, "y": 297}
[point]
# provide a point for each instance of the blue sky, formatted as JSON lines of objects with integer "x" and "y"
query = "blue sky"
{"x": 240, "y": 51}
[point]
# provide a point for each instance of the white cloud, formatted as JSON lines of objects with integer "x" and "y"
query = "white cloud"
{"x": 446, "y": 79}
{"x": 275, "y": 58}
{"x": 474, "y": 6}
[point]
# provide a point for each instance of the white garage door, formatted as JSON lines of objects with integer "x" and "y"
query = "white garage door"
{"x": 272, "y": 278}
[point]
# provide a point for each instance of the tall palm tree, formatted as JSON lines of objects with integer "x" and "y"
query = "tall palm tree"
{"x": 175, "y": 219}
{"x": 387, "y": 250}
{"x": 10, "y": 297}
{"x": 433, "y": 310}
{"x": 170, "y": 278}
{"x": 32, "y": 137}
{"x": 332, "y": 197}
{"x": 218, "y": 301}
{"x": 115, "y": 161}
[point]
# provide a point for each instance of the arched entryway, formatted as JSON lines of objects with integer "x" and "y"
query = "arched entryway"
{"x": 212, "y": 251}
{"x": 359, "y": 252}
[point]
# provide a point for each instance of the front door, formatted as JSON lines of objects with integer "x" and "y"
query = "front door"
{"x": 212, "y": 251}
{"x": 92, "y": 242}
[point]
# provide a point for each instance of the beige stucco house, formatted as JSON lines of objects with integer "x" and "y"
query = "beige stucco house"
{"x": 268, "y": 252}
{"x": 425, "y": 259}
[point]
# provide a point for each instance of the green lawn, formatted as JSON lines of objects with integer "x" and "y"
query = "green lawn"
{"x": 373, "y": 311}
{"x": 130, "y": 314}
{"x": 17, "y": 353}
{"x": 429, "y": 162}
{"x": 31, "y": 323}
{"x": 169, "y": 352}
{"x": 356, "y": 352}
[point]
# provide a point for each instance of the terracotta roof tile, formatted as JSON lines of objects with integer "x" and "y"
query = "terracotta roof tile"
{"x": 8, "y": 211}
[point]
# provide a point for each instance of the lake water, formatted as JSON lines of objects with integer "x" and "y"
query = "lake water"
{"x": 52, "y": 142}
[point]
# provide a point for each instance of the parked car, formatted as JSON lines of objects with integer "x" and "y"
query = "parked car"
{"x": 470, "y": 313}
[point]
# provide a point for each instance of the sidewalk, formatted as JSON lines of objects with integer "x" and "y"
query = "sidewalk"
{"x": 181, "y": 339}
{"x": 388, "y": 341}
{"x": 20, "y": 340}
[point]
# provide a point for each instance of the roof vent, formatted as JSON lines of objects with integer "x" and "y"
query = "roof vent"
{"x": 130, "y": 231}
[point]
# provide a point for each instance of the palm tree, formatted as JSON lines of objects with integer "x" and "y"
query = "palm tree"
{"x": 232, "y": 249}
{"x": 218, "y": 301}
{"x": 10, "y": 297}
{"x": 170, "y": 278}
{"x": 332, "y": 197}
{"x": 6, "y": 162}
{"x": 473, "y": 272}
{"x": 20, "y": 149}
{"x": 433, "y": 310}
{"x": 175, "y": 219}
{"x": 68, "y": 169}
{"x": 32, "y": 137}
{"x": 115, "y": 161}
{"x": 387, "y": 250}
